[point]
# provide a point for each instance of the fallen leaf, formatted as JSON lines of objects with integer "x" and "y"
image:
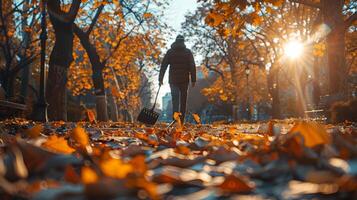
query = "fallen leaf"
{"x": 177, "y": 118}
{"x": 80, "y": 136}
{"x": 312, "y": 132}
{"x": 236, "y": 184}
{"x": 197, "y": 118}
{"x": 35, "y": 131}
{"x": 91, "y": 115}
{"x": 183, "y": 163}
{"x": 181, "y": 149}
{"x": 58, "y": 145}
{"x": 88, "y": 175}
{"x": 115, "y": 168}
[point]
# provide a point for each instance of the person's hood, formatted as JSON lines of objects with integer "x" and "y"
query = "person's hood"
{"x": 178, "y": 45}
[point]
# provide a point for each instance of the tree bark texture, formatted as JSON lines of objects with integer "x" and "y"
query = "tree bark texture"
{"x": 333, "y": 17}
{"x": 60, "y": 59}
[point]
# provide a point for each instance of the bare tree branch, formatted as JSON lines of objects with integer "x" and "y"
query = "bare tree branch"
{"x": 95, "y": 19}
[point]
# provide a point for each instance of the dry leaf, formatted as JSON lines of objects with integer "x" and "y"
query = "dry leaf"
{"x": 91, "y": 115}
{"x": 58, "y": 145}
{"x": 236, "y": 184}
{"x": 88, "y": 175}
{"x": 313, "y": 133}
{"x": 35, "y": 131}
{"x": 115, "y": 168}
{"x": 80, "y": 136}
{"x": 177, "y": 118}
{"x": 197, "y": 118}
{"x": 181, "y": 149}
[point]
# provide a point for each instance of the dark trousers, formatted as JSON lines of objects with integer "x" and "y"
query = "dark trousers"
{"x": 179, "y": 98}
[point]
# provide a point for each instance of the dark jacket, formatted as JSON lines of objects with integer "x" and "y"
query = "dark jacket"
{"x": 182, "y": 64}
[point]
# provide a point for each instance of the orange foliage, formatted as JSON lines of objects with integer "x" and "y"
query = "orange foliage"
{"x": 58, "y": 145}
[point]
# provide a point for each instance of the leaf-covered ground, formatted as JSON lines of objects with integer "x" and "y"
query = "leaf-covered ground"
{"x": 275, "y": 160}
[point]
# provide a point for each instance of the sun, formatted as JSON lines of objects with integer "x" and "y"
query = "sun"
{"x": 293, "y": 49}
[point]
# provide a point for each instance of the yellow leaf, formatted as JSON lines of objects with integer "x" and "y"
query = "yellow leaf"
{"x": 115, "y": 168}
{"x": 80, "y": 136}
{"x": 58, "y": 145}
{"x": 197, "y": 118}
{"x": 313, "y": 133}
{"x": 88, "y": 175}
{"x": 177, "y": 118}
{"x": 35, "y": 131}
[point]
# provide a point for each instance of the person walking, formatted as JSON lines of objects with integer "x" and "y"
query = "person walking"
{"x": 182, "y": 68}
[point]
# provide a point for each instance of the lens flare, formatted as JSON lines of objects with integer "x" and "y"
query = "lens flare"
{"x": 293, "y": 49}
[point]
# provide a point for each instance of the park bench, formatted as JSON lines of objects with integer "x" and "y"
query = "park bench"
{"x": 322, "y": 110}
{"x": 315, "y": 113}
{"x": 318, "y": 111}
{"x": 8, "y": 108}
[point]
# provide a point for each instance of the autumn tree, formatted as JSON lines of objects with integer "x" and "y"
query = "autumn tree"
{"x": 18, "y": 43}
{"x": 280, "y": 25}
{"x": 131, "y": 40}
{"x": 228, "y": 54}
{"x": 337, "y": 15}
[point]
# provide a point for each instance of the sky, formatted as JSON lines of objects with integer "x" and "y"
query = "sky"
{"x": 174, "y": 16}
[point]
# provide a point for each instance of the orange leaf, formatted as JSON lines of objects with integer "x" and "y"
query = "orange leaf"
{"x": 183, "y": 150}
{"x": 90, "y": 115}
{"x": 312, "y": 132}
{"x": 115, "y": 168}
{"x": 80, "y": 136}
{"x": 236, "y": 184}
{"x": 35, "y": 131}
{"x": 88, "y": 175}
{"x": 58, "y": 145}
{"x": 197, "y": 118}
{"x": 177, "y": 118}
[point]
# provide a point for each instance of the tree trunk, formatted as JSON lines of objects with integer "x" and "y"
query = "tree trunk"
{"x": 24, "y": 83}
{"x": 60, "y": 59}
{"x": 333, "y": 17}
{"x": 101, "y": 107}
{"x": 97, "y": 69}
{"x": 26, "y": 43}
{"x": 11, "y": 85}
{"x": 113, "y": 108}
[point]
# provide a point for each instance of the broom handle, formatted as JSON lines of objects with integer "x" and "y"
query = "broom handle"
{"x": 157, "y": 94}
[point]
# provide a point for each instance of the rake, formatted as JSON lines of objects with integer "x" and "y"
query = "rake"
{"x": 147, "y": 115}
